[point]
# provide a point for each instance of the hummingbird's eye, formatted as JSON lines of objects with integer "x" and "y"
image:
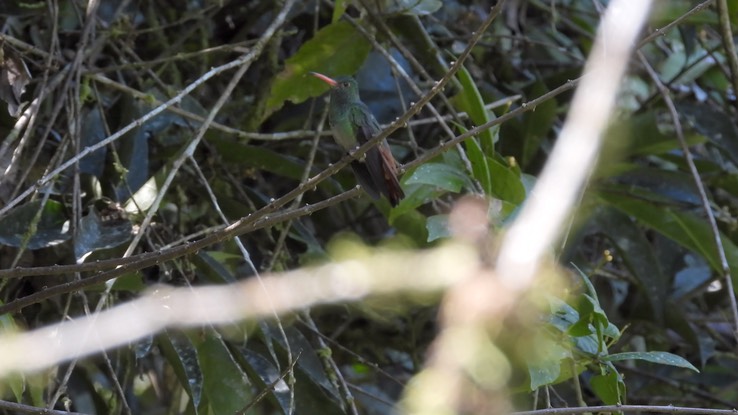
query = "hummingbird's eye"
{"x": 345, "y": 84}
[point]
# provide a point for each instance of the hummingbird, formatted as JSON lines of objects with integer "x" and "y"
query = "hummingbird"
{"x": 353, "y": 124}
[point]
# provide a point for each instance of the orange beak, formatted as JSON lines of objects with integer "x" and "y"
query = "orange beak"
{"x": 327, "y": 80}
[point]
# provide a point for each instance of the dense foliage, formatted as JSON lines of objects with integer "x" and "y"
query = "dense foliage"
{"x": 646, "y": 304}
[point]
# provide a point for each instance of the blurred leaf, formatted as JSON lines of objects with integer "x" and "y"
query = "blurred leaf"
{"x": 413, "y": 31}
{"x": 642, "y": 133}
{"x": 52, "y": 229}
{"x": 713, "y": 123}
{"x": 414, "y": 7}
{"x": 411, "y": 223}
{"x": 336, "y": 49}
{"x": 545, "y": 368}
{"x": 339, "y": 7}
{"x": 662, "y": 358}
{"x": 658, "y": 185}
{"x": 437, "y": 226}
{"x": 671, "y": 10}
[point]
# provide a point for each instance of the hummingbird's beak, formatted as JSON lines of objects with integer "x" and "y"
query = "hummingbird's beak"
{"x": 327, "y": 80}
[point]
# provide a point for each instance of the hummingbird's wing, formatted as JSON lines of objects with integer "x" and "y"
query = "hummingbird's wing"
{"x": 378, "y": 162}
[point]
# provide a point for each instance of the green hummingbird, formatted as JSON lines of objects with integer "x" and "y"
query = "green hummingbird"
{"x": 353, "y": 125}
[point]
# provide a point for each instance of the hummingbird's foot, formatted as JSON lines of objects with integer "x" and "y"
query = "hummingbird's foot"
{"x": 352, "y": 153}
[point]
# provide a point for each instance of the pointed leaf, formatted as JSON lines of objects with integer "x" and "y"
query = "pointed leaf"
{"x": 470, "y": 100}
{"x": 226, "y": 385}
{"x": 662, "y": 358}
{"x": 51, "y": 229}
{"x": 337, "y": 49}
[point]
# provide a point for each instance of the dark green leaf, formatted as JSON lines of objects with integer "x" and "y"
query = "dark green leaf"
{"x": 684, "y": 228}
{"x": 52, "y": 228}
{"x": 182, "y": 355}
{"x": 608, "y": 387}
{"x": 480, "y": 167}
{"x": 337, "y": 49}
{"x": 97, "y": 233}
{"x": 470, "y": 101}
{"x": 226, "y": 385}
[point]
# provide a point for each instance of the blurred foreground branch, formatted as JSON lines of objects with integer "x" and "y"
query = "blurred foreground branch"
{"x": 163, "y": 307}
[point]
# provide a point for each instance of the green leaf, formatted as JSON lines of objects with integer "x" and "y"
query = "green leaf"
{"x": 258, "y": 157}
{"x": 442, "y": 176}
{"x": 50, "y": 230}
{"x": 225, "y": 384}
{"x": 480, "y": 167}
{"x": 336, "y": 49}
{"x": 662, "y": 358}
{"x": 339, "y": 7}
{"x": 506, "y": 184}
{"x": 608, "y": 387}
{"x": 470, "y": 101}
{"x": 545, "y": 367}
{"x": 644, "y": 136}
{"x": 437, "y": 227}
{"x": 415, "y": 195}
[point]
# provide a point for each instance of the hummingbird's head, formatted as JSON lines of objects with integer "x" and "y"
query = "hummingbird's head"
{"x": 344, "y": 89}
